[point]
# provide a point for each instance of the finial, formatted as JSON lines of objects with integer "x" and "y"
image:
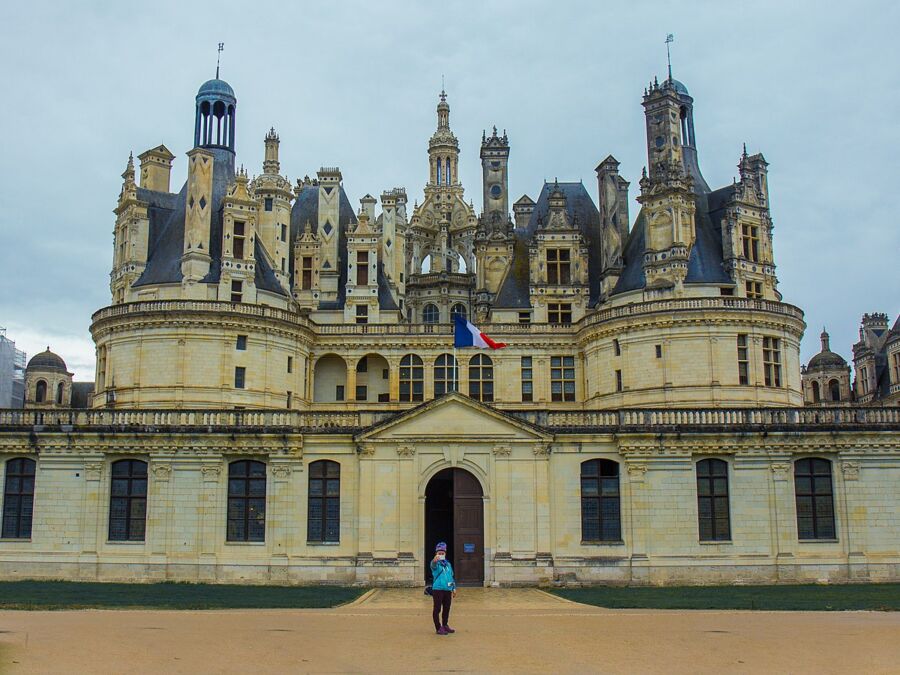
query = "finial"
{"x": 443, "y": 93}
{"x": 495, "y": 131}
{"x": 670, "y": 38}
{"x": 745, "y": 151}
{"x": 219, "y": 57}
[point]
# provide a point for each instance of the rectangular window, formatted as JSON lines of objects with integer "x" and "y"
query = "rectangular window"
{"x": 241, "y": 344}
{"x": 362, "y": 268}
{"x": 864, "y": 379}
{"x": 237, "y": 244}
{"x": 750, "y": 238}
{"x": 815, "y": 499}
{"x": 618, "y": 380}
{"x": 527, "y": 379}
{"x": 290, "y": 364}
{"x": 239, "y": 377}
{"x": 562, "y": 378}
{"x": 362, "y": 392}
{"x": 712, "y": 500}
{"x": 362, "y": 314}
{"x": 524, "y": 317}
{"x": 237, "y": 288}
{"x": 128, "y": 500}
{"x": 896, "y": 358}
{"x": 290, "y": 397}
{"x": 754, "y": 290}
{"x": 659, "y": 351}
{"x": 558, "y": 266}
{"x": 559, "y": 312}
{"x": 283, "y": 232}
{"x": 743, "y": 360}
{"x": 339, "y": 392}
{"x": 617, "y": 348}
{"x": 268, "y": 203}
{"x": 284, "y": 266}
{"x": 306, "y": 273}
{"x": 772, "y": 361}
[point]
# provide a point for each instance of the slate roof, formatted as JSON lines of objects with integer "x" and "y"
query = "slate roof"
{"x": 166, "y": 237}
{"x": 47, "y": 360}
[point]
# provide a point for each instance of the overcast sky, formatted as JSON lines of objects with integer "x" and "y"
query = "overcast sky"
{"x": 814, "y": 86}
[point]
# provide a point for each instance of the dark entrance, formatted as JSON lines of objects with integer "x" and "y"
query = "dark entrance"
{"x": 454, "y": 513}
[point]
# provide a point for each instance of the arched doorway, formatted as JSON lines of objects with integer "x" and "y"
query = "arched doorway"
{"x": 454, "y": 513}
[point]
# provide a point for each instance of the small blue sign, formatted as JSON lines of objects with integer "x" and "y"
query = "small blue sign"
{"x": 468, "y": 548}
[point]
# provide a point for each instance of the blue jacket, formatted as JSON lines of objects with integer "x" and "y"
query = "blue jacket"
{"x": 442, "y": 573}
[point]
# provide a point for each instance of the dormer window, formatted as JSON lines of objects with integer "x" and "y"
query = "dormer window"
{"x": 558, "y": 266}
{"x": 750, "y": 237}
{"x": 237, "y": 246}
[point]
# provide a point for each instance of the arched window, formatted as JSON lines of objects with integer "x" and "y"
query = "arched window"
{"x": 446, "y": 375}
{"x": 815, "y": 498}
{"x": 246, "y": 501}
{"x": 712, "y": 500}
{"x": 481, "y": 378}
{"x": 431, "y": 313}
{"x": 834, "y": 389}
{"x": 18, "y": 498}
{"x": 438, "y": 171}
{"x": 128, "y": 500}
{"x": 323, "y": 518}
{"x": 458, "y": 309}
{"x": 600, "y": 512}
{"x": 40, "y": 392}
{"x": 815, "y": 391}
{"x": 449, "y": 171}
{"x": 60, "y": 388}
{"x": 412, "y": 378}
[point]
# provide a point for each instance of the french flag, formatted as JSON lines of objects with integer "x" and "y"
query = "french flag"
{"x": 466, "y": 335}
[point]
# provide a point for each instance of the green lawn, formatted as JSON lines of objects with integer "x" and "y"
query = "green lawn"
{"x": 75, "y": 595}
{"x": 885, "y": 597}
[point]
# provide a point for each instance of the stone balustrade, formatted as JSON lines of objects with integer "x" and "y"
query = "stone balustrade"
{"x": 325, "y": 421}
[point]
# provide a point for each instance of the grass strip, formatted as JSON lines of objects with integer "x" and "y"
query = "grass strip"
{"x": 44, "y": 595}
{"x": 811, "y": 597}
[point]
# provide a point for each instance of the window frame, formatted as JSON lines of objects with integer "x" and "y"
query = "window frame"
{"x": 526, "y": 365}
{"x": 135, "y": 475}
{"x": 559, "y": 313}
{"x": 609, "y": 528}
{"x": 559, "y": 271}
{"x": 412, "y": 379}
{"x": 306, "y": 272}
{"x": 18, "y": 525}
{"x": 445, "y": 365}
{"x": 362, "y": 268}
{"x": 709, "y": 492}
{"x": 242, "y": 500}
{"x": 771, "y": 347}
{"x": 481, "y": 378}
{"x": 805, "y": 468}
{"x": 431, "y": 313}
{"x": 743, "y": 359}
{"x": 560, "y": 367}
{"x": 240, "y": 377}
{"x": 329, "y": 531}
{"x": 750, "y": 241}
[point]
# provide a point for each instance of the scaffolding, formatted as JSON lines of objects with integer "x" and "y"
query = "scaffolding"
{"x": 12, "y": 373}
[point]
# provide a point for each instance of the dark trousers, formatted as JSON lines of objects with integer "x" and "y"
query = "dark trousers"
{"x": 442, "y": 601}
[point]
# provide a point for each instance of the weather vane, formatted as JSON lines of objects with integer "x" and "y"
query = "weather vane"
{"x": 219, "y": 56}
{"x": 669, "y": 40}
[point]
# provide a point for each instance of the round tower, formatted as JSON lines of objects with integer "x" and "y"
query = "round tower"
{"x": 826, "y": 378}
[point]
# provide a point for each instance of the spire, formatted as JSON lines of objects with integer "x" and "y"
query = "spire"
{"x": 128, "y": 174}
{"x": 670, "y": 38}
{"x": 271, "y": 164}
{"x": 825, "y": 341}
{"x": 219, "y": 58}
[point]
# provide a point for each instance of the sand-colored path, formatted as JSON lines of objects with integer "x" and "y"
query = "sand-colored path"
{"x": 498, "y": 630}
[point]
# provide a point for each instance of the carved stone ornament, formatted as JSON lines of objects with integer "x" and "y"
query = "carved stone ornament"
{"x": 542, "y": 450}
{"x": 780, "y": 470}
{"x": 162, "y": 471}
{"x": 366, "y": 449}
{"x": 636, "y": 472}
{"x": 281, "y": 470}
{"x": 406, "y": 451}
{"x": 501, "y": 451}
{"x": 210, "y": 471}
{"x": 850, "y": 470}
{"x": 93, "y": 470}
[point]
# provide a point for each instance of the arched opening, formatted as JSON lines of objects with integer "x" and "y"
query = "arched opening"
{"x": 425, "y": 267}
{"x": 330, "y": 379}
{"x": 458, "y": 309}
{"x": 457, "y": 263}
{"x": 40, "y": 392}
{"x": 60, "y": 390}
{"x": 817, "y": 396}
{"x": 372, "y": 379}
{"x": 454, "y": 513}
{"x": 431, "y": 313}
{"x": 834, "y": 390}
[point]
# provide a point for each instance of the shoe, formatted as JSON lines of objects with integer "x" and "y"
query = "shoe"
{"x": 442, "y": 631}
{"x": 448, "y": 630}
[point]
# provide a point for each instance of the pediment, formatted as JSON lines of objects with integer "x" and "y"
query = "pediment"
{"x": 454, "y": 416}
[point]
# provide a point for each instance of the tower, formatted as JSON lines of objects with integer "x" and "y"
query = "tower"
{"x": 237, "y": 282}
{"x": 495, "y": 177}
{"x": 156, "y": 168}
{"x": 613, "y": 206}
{"x": 132, "y": 233}
{"x": 667, "y": 193}
{"x": 272, "y": 192}
{"x": 443, "y": 148}
{"x": 214, "y": 119}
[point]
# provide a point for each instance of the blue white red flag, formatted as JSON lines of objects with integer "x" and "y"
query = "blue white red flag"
{"x": 467, "y": 335}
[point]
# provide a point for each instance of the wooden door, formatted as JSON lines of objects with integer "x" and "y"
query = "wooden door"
{"x": 468, "y": 529}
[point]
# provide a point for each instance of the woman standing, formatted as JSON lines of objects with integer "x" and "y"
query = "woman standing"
{"x": 443, "y": 589}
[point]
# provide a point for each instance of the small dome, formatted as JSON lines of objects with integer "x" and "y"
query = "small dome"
{"x": 47, "y": 360}
{"x": 826, "y": 360}
{"x": 216, "y": 88}
{"x": 679, "y": 87}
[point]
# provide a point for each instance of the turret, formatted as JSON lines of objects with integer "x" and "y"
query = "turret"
{"x": 495, "y": 178}
{"x": 273, "y": 194}
{"x": 131, "y": 237}
{"x": 156, "y": 168}
{"x": 215, "y": 116}
{"x": 239, "y": 229}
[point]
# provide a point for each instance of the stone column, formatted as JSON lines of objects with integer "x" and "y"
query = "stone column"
{"x": 854, "y": 518}
{"x": 638, "y": 524}
{"x": 365, "y": 505}
{"x": 501, "y": 492}
{"x": 543, "y": 541}
{"x": 784, "y": 509}
{"x": 159, "y": 515}
{"x": 280, "y": 525}
{"x": 92, "y": 530}
{"x": 209, "y": 524}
